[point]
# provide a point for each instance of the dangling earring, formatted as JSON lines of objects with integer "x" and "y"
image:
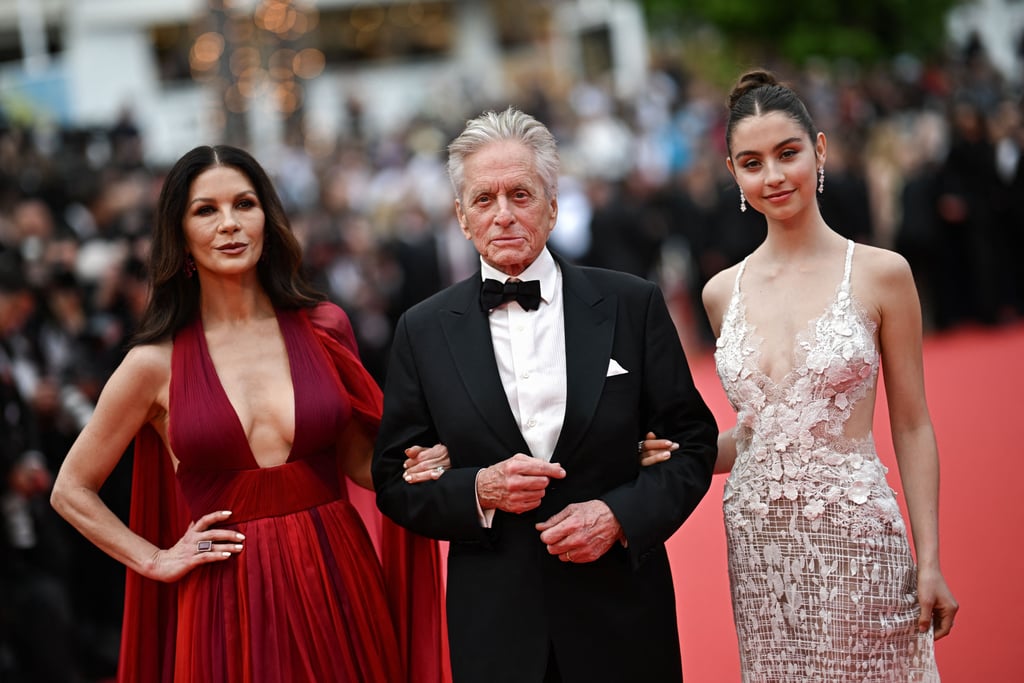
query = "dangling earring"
{"x": 743, "y": 200}
{"x": 821, "y": 179}
{"x": 190, "y": 266}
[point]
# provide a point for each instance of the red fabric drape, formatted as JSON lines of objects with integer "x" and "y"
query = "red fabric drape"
{"x": 411, "y": 563}
{"x": 159, "y": 514}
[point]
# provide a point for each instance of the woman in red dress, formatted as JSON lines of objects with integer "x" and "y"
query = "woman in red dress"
{"x": 250, "y": 413}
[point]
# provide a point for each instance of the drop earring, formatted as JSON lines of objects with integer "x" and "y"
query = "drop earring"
{"x": 821, "y": 179}
{"x": 190, "y": 266}
{"x": 743, "y": 200}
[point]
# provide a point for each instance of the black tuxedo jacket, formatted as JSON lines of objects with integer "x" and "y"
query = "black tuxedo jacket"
{"x": 509, "y": 601}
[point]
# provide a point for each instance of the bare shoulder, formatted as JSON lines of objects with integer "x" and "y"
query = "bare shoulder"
{"x": 719, "y": 288}
{"x": 716, "y": 294}
{"x": 880, "y": 267}
{"x": 882, "y": 282}
{"x": 148, "y": 361}
{"x": 144, "y": 374}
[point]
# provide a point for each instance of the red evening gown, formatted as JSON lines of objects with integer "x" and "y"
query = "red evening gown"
{"x": 308, "y": 599}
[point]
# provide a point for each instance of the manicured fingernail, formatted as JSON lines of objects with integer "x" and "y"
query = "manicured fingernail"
{"x": 225, "y": 513}
{"x": 239, "y": 537}
{"x": 407, "y": 477}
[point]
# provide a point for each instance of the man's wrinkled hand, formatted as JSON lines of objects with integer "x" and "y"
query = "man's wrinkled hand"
{"x": 582, "y": 532}
{"x": 516, "y": 484}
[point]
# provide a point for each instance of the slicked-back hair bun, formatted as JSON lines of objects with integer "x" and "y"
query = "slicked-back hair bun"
{"x": 759, "y": 92}
{"x": 748, "y": 81}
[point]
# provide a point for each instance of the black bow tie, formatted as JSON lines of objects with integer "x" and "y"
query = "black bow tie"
{"x": 494, "y": 294}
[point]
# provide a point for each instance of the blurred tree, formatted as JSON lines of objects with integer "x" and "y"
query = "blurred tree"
{"x": 862, "y": 30}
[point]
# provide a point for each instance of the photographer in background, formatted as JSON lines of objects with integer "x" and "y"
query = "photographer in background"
{"x": 36, "y": 626}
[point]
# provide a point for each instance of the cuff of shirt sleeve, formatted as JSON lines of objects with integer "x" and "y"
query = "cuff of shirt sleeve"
{"x": 486, "y": 517}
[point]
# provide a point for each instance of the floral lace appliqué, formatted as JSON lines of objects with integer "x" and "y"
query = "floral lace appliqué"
{"x": 823, "y": 583}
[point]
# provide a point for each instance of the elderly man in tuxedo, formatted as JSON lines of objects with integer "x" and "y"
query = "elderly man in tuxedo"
{"x": 541, "y": 378}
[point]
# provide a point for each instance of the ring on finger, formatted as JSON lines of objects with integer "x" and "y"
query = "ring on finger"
{"x": 439, "y": 469}
{"x": 568, "y": 557}
{"x": 640, "y": 447}
{"x": 204, "y": 546}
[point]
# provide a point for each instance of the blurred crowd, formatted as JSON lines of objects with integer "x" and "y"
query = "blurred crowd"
{"x": 923, "y": 158}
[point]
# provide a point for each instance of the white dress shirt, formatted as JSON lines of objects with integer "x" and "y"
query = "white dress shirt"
{"x": 529, "y": 347}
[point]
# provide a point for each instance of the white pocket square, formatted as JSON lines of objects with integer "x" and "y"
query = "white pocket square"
{"x": 615, "y": 369}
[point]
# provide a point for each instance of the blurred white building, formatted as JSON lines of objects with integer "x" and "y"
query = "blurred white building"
{"x": 188, "y": 70}
{"x": 1000, "y": 26}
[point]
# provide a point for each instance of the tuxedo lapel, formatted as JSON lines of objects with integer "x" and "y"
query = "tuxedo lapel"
{"x": 468, "y": 335}
{"x": 589, "y": 330}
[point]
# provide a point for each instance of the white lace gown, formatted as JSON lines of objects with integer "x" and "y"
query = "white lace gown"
{"x": 823, "y": 582}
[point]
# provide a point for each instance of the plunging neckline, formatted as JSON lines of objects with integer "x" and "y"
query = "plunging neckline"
{"x": 803, "y": 338}
{"x": 224, "y": 394}
{"x": 800, "y": 340}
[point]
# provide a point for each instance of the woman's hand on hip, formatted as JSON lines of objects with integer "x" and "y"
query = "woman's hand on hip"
{"x": 202, "y": 543}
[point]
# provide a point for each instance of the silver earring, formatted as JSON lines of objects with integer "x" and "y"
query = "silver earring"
{"x": 743, "y": 200}
{"x": 821, "y": 179}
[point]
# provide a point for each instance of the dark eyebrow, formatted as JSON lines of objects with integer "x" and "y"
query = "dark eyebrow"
{"x": 241, "y": 194}
{"x": 784, "y": 143}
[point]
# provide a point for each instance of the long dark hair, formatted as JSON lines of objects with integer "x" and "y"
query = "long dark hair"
{"x": 759, "y": 92}
{"x": 174, "y": 296}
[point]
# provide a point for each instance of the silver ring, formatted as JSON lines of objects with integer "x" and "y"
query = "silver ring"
{"x": 204, "y": 546}
{"x": 439, "y": 469}
{"x": 640, "y": 447}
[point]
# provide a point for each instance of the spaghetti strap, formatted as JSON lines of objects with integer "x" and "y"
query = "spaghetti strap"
{"x": 739, "y": 274}
{"x": 848, "y": 269}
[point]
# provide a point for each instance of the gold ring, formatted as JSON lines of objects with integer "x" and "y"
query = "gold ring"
{"x": 204, "y": 546}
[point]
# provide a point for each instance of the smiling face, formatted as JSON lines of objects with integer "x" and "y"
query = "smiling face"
{"x": 776, "y": 164}
{"x": 503, "y": 208}
{"x": 223, "y": 222}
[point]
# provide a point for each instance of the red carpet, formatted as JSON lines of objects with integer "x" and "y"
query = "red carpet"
{"x": 975, "y": 385}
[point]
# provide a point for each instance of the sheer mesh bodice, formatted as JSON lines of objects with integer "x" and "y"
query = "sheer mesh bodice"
{"x": 823, "y": 582}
